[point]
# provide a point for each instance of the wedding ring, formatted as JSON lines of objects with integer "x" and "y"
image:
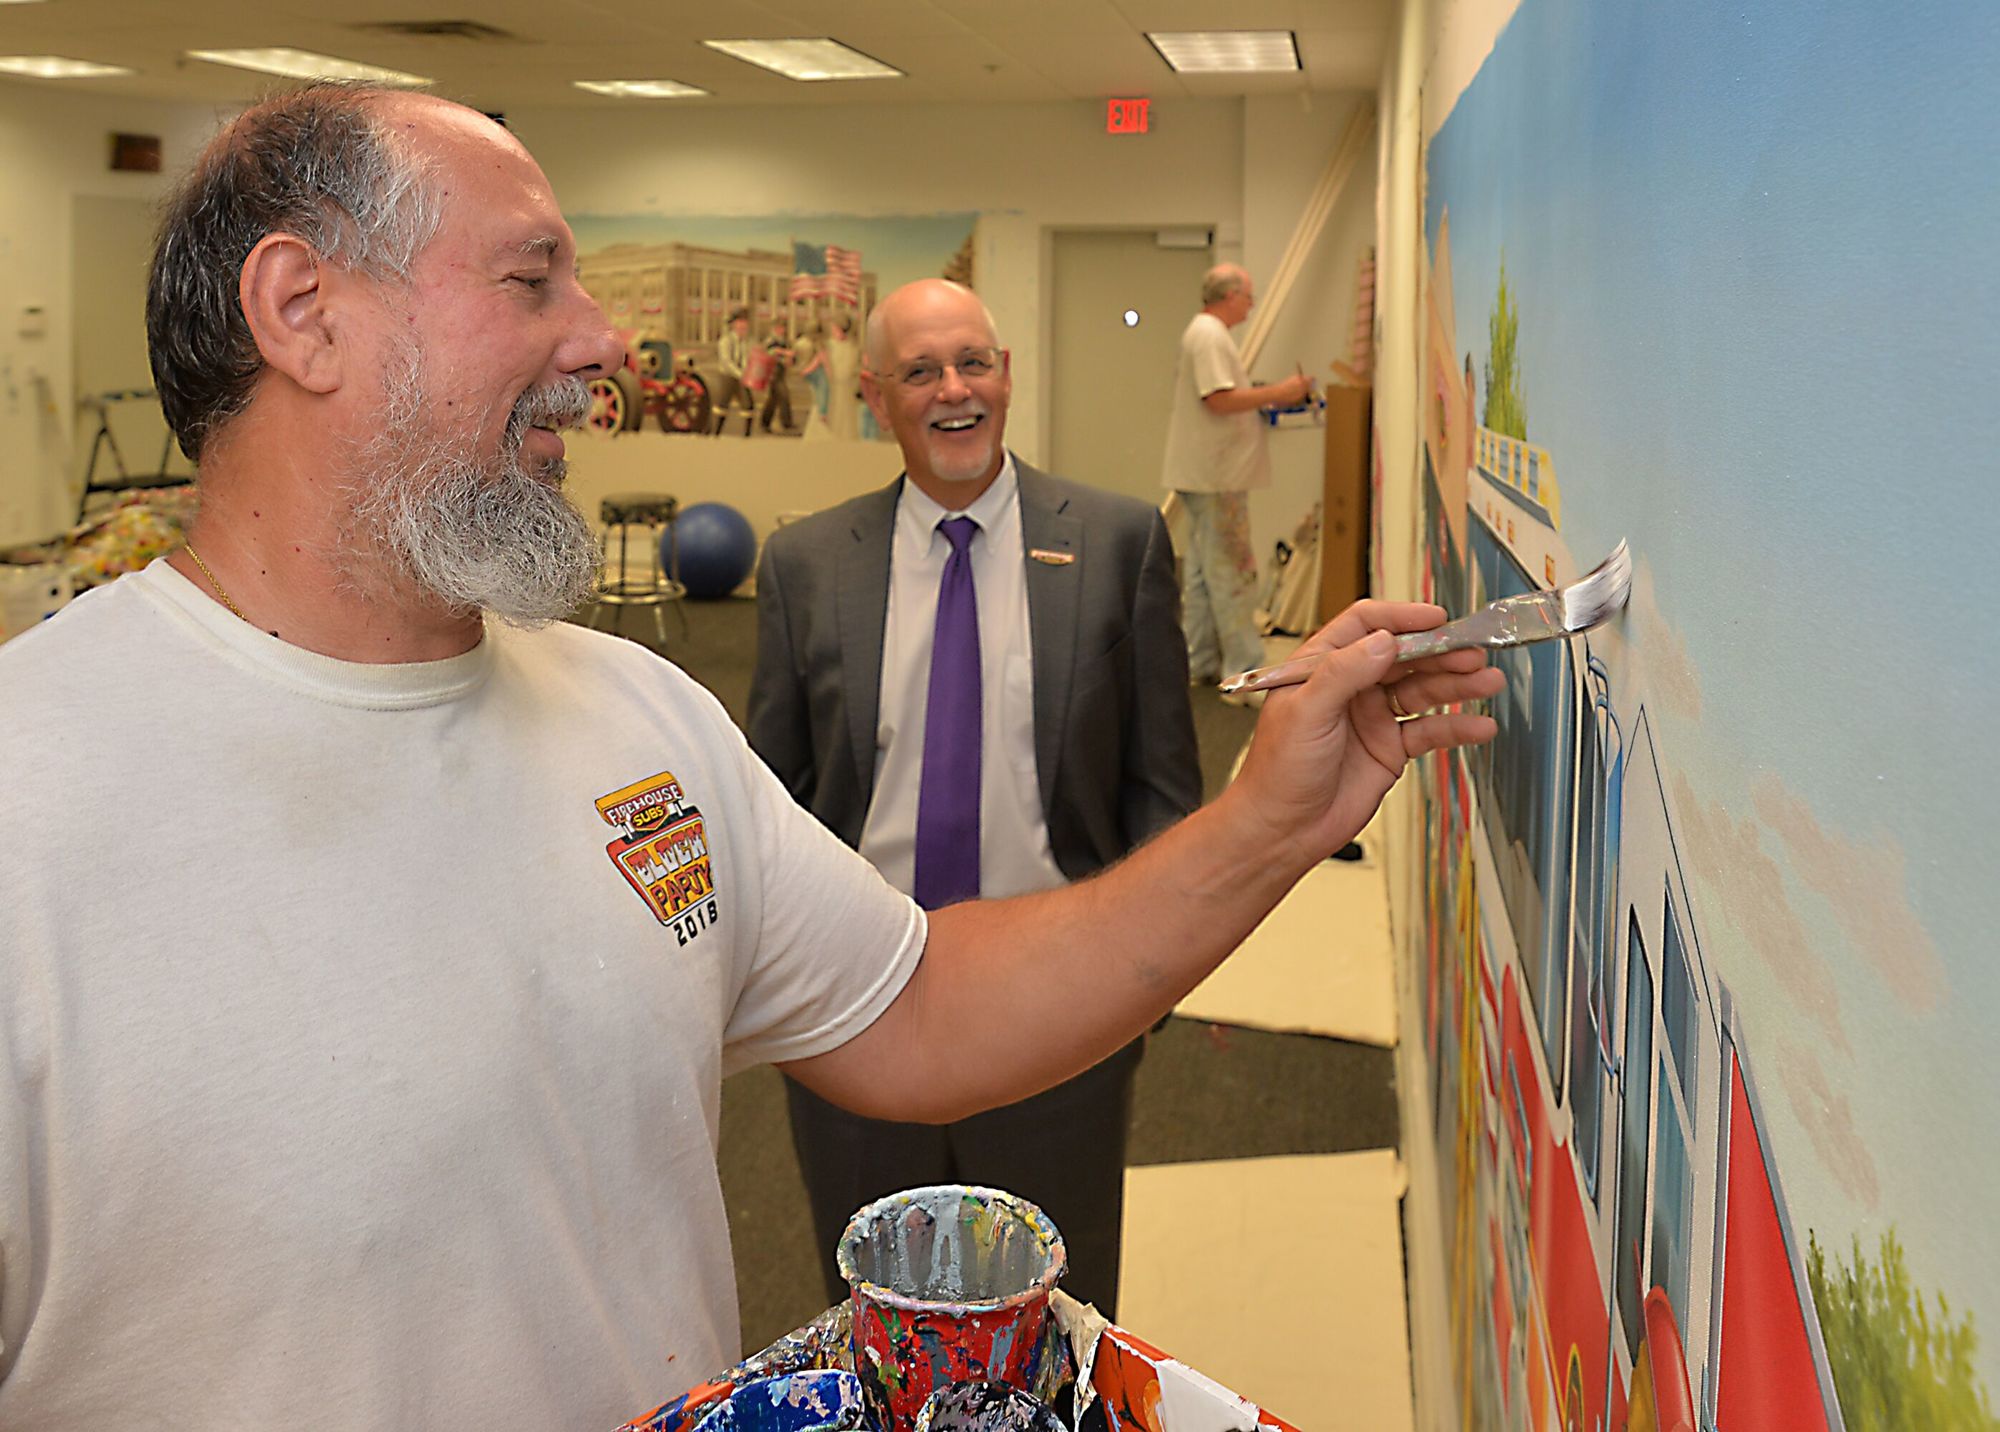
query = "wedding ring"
{"x": 1396, "y": 707}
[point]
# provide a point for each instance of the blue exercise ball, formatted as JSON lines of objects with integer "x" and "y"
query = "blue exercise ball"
{"x": 712, "y": 547}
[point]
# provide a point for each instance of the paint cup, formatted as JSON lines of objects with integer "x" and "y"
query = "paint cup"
{"x": 986, "y": 1407}
{"x": 950, "y": 1284}
{"x": 796, "y": 1402}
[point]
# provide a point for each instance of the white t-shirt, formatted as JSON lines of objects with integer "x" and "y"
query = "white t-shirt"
{"x": 1014, "y": 853}
{"x": 1206, "y": 451}
{"x": 361, "y": 1027}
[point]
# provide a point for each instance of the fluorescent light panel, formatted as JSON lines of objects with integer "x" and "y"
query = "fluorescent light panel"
{"x": 305, "y": 65}
{"x": 639, "y": 89}
{"x": 56, "y": 67}
{"x": 1226, "y": 52}
{"x": 807, "y": 59}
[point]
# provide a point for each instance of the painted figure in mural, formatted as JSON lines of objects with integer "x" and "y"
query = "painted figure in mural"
{"x": 809, "y": 352}
{"x": 843, "y": 373}
{"x": 389, "y": 1078}
{"x": 1215, "y": 458}
{"x": 732, "y": 364}
{"x": 1075, "y": 764}
{"x": 778, "y": 399}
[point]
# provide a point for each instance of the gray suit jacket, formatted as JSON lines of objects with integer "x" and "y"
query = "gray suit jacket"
{"x": 1114, "y": 733}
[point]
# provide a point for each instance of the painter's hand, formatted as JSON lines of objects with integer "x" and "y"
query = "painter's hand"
{"x": 1327, "y": 751}
{"x": 1293, "y": 391}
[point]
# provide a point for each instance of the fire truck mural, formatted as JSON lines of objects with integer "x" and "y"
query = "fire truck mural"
{"x": 1706, "y": 981}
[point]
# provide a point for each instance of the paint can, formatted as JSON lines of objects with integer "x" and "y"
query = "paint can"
{"x": 986, "y": 1407}
{"x": 797, "y": 1402}
{"x": 950, "y": 1284}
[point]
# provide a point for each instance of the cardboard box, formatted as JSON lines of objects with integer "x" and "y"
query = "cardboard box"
{"x": 1345, "y": 519}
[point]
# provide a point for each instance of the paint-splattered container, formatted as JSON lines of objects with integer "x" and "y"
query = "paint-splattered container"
{"x": 986, "y": 1407}
{"x": 950, "y": 1284}
{"x": 796, "y": 1402}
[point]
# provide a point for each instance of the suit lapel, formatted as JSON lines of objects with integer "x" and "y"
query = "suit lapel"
{"x": 863, "y": 594}
{"x": 1052, "y": 613}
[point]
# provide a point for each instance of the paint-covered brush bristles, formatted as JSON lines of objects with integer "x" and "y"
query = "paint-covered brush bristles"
{"x": 1595, "y": 597}
{"x": 1588, "y": 602}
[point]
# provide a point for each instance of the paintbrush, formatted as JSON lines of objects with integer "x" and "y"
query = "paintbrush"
{"x": 1588, "y": 602}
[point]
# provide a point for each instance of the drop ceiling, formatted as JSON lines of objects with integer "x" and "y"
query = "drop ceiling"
{"x": 951, "y": 51}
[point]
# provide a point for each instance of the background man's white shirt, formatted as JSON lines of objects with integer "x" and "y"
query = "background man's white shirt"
{"x": 1208, "y": 451}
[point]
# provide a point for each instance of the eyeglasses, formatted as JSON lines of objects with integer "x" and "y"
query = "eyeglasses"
{"x": 971, "y": 364}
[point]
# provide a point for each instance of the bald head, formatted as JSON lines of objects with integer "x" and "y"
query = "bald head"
{"x": 1222, "y": 281}
{"x": 917, "y": 305}
{"x": 1226, "y": 293}
{"x": 938, "y": 380}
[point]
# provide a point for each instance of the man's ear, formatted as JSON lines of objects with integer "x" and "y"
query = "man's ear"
{"x": 877, "y": 400}
{"x": 285, "y": 305}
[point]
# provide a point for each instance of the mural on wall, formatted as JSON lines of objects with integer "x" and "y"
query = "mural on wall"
{"x": 1707, "y": 979}
{"x": 751, "y": 326}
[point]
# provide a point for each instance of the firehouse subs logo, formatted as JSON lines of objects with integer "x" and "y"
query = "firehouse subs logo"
{"x": 662, "y": 849}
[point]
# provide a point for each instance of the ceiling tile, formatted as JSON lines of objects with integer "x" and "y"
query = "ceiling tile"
{"x": 1012, "y": 50}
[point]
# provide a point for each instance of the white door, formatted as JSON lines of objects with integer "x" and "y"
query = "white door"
{"x": 1119, "y": 300}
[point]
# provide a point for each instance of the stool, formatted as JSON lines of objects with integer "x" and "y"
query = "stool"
{"x": 619, "y": 587}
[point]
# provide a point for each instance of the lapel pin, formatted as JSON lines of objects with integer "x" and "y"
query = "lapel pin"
{"x": 1054, "y": 559}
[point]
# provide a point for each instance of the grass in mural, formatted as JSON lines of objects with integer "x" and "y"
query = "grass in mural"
{"x": 1898, "y": 1362}
{"x": 1506, "y": 405}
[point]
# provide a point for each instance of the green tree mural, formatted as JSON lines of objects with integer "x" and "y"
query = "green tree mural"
{"x": 1898, "y": 1362}
{"x": 1506, "y": 404}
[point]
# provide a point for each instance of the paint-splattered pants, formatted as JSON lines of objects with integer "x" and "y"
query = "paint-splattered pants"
{"x": 1219, "y": 586}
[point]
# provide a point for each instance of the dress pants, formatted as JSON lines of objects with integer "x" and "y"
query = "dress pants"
{"x": 1062, "y": 1149}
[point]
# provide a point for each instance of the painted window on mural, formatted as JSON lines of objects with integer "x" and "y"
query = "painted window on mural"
{"x": 1677, "y": 1001}
{"x": 1633, "y": 1124}
{"x": 1525, "y": 799}
{"x": 1672, "y": 1193}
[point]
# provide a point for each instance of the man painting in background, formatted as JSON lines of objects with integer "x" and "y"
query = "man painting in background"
{"x": 1075, "y": 743}
{"x": 1216, "y": 456}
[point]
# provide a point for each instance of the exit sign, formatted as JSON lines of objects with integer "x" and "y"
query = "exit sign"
{"x": 1127, "y": 116}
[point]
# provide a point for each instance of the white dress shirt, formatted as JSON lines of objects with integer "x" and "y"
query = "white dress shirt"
{"x": 1014, "y": 855}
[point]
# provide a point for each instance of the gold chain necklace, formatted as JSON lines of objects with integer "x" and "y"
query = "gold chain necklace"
{"x": 215, "y": 584}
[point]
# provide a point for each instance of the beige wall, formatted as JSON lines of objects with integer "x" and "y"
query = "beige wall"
{"x": 1242, "y": 168}
{"x": 54, "y": 146}
{"x": 1287, "y": 142}
{"x": 1023, "y": 168}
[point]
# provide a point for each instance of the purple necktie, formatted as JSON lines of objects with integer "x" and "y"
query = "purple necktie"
{"x": 948, "y": 795}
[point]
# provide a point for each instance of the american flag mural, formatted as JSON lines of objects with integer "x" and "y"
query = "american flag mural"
{"x": 829, "y": 272}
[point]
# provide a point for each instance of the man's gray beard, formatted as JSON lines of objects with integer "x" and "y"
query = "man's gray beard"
{"x": 470, "y": 533}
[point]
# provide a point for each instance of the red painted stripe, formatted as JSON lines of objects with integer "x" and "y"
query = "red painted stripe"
{"x": 1767, "y": 1380}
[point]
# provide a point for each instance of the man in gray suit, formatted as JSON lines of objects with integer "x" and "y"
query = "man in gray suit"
{"x": 1066, "y": 741}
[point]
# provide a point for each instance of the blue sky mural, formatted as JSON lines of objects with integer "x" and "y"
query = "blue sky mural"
{"x": 1752, "y": 247}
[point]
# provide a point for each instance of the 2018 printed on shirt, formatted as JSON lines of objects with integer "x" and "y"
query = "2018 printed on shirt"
{"x": 662, "y": 851}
